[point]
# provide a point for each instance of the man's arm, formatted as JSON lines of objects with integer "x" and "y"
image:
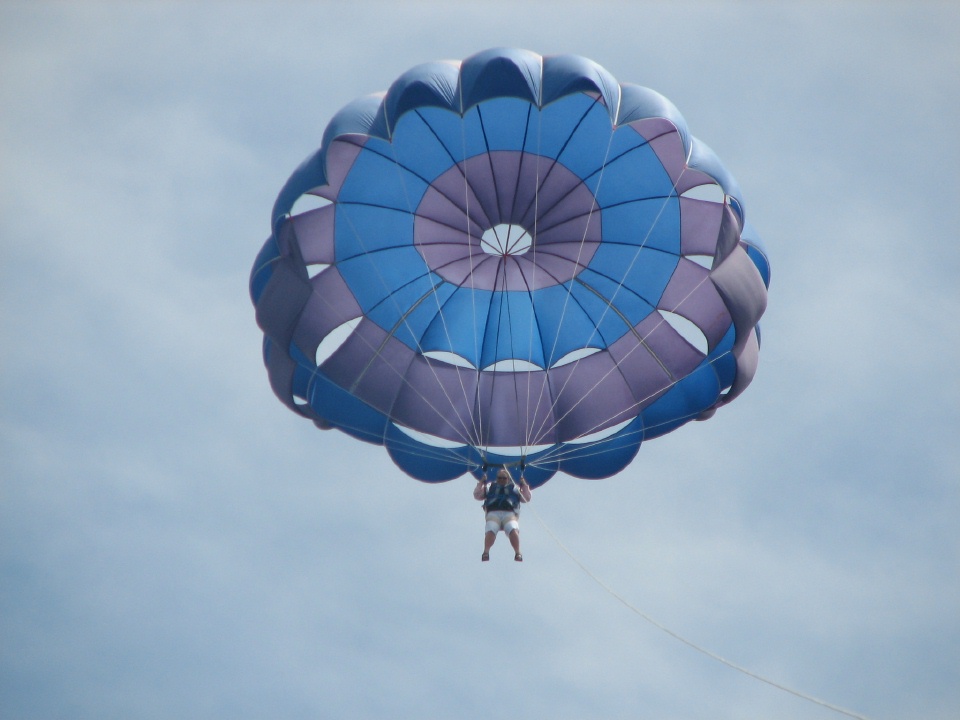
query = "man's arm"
{"x": 480, "y": 491}
{"x": 525, "y": 493}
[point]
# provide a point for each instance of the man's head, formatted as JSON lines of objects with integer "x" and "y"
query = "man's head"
{"x": 503, "y": 476}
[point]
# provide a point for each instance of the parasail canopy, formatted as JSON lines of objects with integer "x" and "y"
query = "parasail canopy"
{"x": 516, "y": 260}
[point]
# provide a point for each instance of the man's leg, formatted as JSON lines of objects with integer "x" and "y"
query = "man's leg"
{"x": 488, "y": 539}
{"x": 515, "y": 541}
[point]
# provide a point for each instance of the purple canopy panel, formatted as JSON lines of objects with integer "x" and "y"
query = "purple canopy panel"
{"x": 740, "y": 284}
{"x": 282, "y": 300}
{"x": 583, "y": 228}
{"x": 693, "y": 178}
{"x": 447, "y": 231}
{"x": 559, "y": 196}
{"x": 699, "y": 226}
{"x": 449, "y": 197}
{"x": 747, "y": 357}
{"x": 646, "y": 376}
{"x": 341, "y": 155}
{"x": 314, "y": 232}
{"x": 544, "y": 268}
{"x": 511, "y": 406}
{"x": 677, "y": 357}
{"x": 371, "y": 365}
{"x": 690, "y": 294}
{"x": 590, "y": 395}
{"x": 486, "y": 272}
{"x": 568, "y": 226}
{"x": 451, "y": 206}
{"x": 666, "y": 142}
{"x": 729, "y": 236}
{"x": 330, "y": 305}
{"x": 479, "y": 175}
{"x": 463, "y": 271}
{"x": 280, "y": 369}
{"x": 438, "y": 399}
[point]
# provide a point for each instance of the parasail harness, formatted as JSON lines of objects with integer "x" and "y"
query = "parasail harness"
{"x": 502, "y": 497}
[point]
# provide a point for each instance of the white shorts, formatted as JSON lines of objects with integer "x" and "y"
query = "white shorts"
{"x": 505, "y": 520}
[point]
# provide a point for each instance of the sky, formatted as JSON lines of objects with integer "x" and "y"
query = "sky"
{"x": 175, "y": 543}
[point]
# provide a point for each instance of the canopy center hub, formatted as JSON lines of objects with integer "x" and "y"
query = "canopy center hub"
{"x": 506, "y": 239}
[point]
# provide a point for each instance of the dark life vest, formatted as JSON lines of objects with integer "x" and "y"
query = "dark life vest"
{"x": 502, "y": 498}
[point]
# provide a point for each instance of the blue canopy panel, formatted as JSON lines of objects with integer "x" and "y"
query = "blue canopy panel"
{"x": 422, "y": 461}
{"x": 603, "y": 458}
{"x": 362, "y": 230}
{"x": 263, "y": 268}
{"x": 420, "y": 146}
{"x": 459, "y": 137}
{"x": 684, "y": 402}
{"x": 510, "y": 331}
{"x": 500, "y": 72}
{"x": 462, "y": 337}
{"x": 540, "y": 327}
{"x": 505, "y": 123}
{"x": 757, "y": 251}
{"x": 376, "y": 178}
{"x": 722, "y": 361}
{"x": 428, "y": 85}
{"x": 375, "y": 278}
{"x": 652, "y": 223}
{"x": 355, "y": 118}
{"x": 640, "y": 103}
{"x": 571, "y": 317}
{"x": 345, "y": 411}
{"x": 565, "y": 75}
{"x": 576, "y": 130}
{"x": 643, "y": 271}
{"x": 634, "y": 175}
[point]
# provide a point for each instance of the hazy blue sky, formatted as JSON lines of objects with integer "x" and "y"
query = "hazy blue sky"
{"x": 176, "y": 543}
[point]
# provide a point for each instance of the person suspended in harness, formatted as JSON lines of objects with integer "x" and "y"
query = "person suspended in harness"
{"x": 501, "y": 502}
